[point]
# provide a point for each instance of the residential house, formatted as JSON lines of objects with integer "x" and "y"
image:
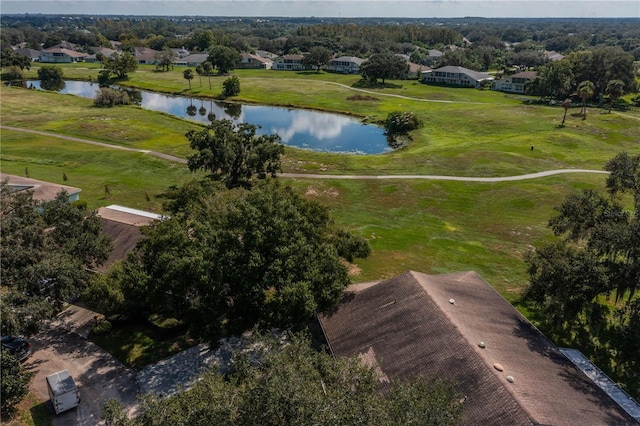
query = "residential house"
{"x": 416, "y": 70}
{"x": 266, "y": 54}
{"x": 514, "y": 83}
{"x": 180, "y": 52}
{"x": 251, "y": 61}
{"x": 192, "y": 60}
{"x": 553, "y": 55}
{"x": 145, "y": 55}
{"x": 99, "y": 51}
{"x": 42, "y": 191}
{"x": 345, "y": 65}
{"x": 433, "y": 56}
{"x": 32, "y": 54}
{"x": 455, "y": 76}
{"x": 457, "y": 328}
{"x": 64, "y": 45}
{"x": 290, "y": 63}
{"x": 122, "y": 226}
{"x": 58, "y": 55}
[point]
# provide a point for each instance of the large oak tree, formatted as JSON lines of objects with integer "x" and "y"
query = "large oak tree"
{"x": 264, "y": 256}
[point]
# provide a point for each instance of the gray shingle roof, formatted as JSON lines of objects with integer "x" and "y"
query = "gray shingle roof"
{"x": 411, "y": 328}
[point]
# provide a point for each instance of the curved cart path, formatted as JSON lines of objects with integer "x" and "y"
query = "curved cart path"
{"x": 317, "y": 176}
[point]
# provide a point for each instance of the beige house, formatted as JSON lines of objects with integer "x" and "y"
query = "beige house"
{"x": 251, "y": 61}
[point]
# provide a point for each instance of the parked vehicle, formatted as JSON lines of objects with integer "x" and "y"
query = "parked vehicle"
{"x": 63, "y": 391}
{"x": 17, "y": 346}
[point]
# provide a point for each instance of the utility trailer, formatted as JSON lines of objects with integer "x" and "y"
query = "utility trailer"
{"x": 63, "y": 391}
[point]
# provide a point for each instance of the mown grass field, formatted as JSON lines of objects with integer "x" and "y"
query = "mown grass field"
{"x": 422, "y": 225}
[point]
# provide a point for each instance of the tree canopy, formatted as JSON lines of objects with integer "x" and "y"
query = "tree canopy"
{"x": 233, "y": 153}
{"x": 263, "y": 256}
{"x": 383, "y": 66}
{"x": 293, "y": 384}
{"x": 597, "y": 256}
{"x": 224, "y": 58}
{"x": 317, "y": 56}
{"x": 120, "y": 64}
{"x": 46, "y": 253}
{"x": 14, "y": 383}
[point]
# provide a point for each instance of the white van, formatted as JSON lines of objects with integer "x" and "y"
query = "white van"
{"x": 63, "y": 391}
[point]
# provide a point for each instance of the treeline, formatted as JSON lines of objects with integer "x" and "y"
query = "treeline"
{"x": 361, "y": 37}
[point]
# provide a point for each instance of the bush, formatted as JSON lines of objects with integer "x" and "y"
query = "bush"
{"x": 401, "y": 122}
{"x": 13, "y": 74}
{"x": 231, "y": 86}
{"x": 107, "y": 97}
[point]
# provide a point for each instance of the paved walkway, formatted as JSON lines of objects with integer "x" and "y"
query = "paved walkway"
{"x": 184, "y": 369}
{"x": 318, "y": 176}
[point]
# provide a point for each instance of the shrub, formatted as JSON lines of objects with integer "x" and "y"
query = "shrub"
{"x": 231, "y": 86}
{"x": 401, "y": 122}
{"x": 107, "y": 97}
{"x": 13, "y": 74}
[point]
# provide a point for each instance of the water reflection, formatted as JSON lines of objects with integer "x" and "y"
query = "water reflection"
{"x": 52, "y": 85}
{"x": 300, "y": 128}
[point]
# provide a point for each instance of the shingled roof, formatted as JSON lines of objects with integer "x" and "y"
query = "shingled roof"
{"x": 122, "y": 226}
{"x": 431, "y": 325}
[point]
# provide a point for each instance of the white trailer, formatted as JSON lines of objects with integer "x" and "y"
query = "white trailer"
{"x": 63, "y": 391}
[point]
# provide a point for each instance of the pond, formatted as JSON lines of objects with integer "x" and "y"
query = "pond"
{"x": 317, "y": 131}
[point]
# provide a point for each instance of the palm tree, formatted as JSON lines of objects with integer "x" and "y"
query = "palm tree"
{"x": 566, "y": 105}
{"x": 586, "y": 89}
{"x": 207, "y": 67}
{"x": 188, "y": 74}
{"x": 615, "y": 89}
{"x": 200, "y": 71}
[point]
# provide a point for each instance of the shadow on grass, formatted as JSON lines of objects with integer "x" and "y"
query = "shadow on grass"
{"x": 140, "y": 343}
{"x": 367, "y": 84}
{"x": 42, "y": 414}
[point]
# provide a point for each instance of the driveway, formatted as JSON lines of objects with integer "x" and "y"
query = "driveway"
{"x": 100, "y": 377}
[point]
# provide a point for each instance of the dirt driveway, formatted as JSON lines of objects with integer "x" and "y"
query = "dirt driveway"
{"x": 100, "y": 377}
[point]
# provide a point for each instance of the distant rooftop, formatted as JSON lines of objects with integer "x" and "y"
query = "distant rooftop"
{"x": 42, "y": 191}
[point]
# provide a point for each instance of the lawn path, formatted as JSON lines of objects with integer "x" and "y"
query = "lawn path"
{"x": 318, "y": 176}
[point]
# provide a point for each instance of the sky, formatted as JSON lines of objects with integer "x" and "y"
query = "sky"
{"x": 334, "y": 8}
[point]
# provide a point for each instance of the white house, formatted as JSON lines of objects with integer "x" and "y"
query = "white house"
{"x": 57, "y": 55}
{"x": 514, "y": 83}
{"x": 455, "y": 76}
{"x": 345, "y": 65}
{"x": 290, "y": 63}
